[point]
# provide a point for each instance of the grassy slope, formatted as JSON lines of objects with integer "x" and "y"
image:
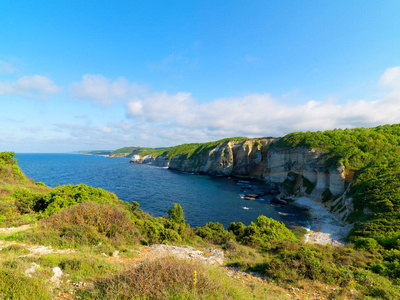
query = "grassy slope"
{"x": 93, "y": 222}
{"x": 125, "y": 151}
{"x": 96, "y": 152}
{"x": 374, "y": 155}
{"x": 187, "y": 150}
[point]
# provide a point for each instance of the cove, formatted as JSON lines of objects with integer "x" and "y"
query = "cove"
{"x": 203, "y": 198}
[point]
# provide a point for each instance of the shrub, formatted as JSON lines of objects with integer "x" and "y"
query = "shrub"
{"x": 367, "y": 244}
{"x": 9, "y": 169}
{"x": 175, "y": 214}
{"x": 213, "y": 232}
{"x": 90, "y": 223}
{"x": 262, "y": 232}
{"x": 67, "y": 195}
{"x": 25, "y": 200}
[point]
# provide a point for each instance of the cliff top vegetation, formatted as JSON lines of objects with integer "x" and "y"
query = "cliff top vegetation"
{"x": 127, "y": 150}
{"x": 189, "y": 150}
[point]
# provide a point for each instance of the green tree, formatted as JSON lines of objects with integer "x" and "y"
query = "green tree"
{"x": 175, "y": 214}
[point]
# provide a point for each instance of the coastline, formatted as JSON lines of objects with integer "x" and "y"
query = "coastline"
{"x": 325, "y": 227}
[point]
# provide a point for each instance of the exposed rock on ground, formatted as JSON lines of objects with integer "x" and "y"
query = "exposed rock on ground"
{"x": 214, "y": 256}
{"x": 56, "y": 279}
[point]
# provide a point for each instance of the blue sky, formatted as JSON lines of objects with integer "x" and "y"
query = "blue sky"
{"x": 81, "y": 75}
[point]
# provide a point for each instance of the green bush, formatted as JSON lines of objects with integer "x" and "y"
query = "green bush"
{"x": 87, "y": 224}
{"x": 68, "y": 195}
{"x": 214, "y": 233}
{"x": 9, "y": 169}
{"x": 175, "y": 214}
{"x": 262, "y": 232}
{"x": 25, "y": 200}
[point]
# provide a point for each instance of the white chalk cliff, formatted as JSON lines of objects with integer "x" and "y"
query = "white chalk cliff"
{"x": 258, "y": 158}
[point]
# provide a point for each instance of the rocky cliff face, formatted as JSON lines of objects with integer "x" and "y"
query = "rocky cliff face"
{"x": 302, "y": 169}
{"x": 131, "y": 151}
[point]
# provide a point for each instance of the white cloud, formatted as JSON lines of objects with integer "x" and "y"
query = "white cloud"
{"x": 122, "y": 126}
{"x": 7, "y": 68}
{"x": 103, "y": 91}
{"x": 180, "y": 117}
{"x": 160, "y": 106}
{"x": 30, "y": 86}
{"x": 391, "y": 78}
{"x": 105, "y": 129}
{"x": 163, "y": 119}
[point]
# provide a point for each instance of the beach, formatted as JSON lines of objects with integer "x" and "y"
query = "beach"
{"x": 325, "y": 227}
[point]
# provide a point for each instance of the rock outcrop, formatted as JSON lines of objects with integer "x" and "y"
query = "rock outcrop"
{"x": 303, "y": 169}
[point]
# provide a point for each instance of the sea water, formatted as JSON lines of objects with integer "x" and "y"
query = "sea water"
{"x": 203, "y": 198}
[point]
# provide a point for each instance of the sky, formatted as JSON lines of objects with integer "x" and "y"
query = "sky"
{"x": 101, "y": 75}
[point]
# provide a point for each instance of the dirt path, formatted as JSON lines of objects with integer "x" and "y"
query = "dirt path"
{"x": 15, "y": 229}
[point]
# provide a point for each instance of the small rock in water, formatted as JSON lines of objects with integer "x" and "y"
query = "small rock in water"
{"x": 278, "y": 201}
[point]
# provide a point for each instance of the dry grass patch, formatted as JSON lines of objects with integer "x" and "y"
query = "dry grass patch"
{"x": 171, "y": 278}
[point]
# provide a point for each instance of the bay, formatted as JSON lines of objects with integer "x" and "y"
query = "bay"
{"x": 203, "y": 198}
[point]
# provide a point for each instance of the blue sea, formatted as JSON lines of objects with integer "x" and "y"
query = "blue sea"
{"x": 203, "y": 198}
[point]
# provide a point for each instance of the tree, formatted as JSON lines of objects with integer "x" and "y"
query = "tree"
{"x": 175, "y": 214}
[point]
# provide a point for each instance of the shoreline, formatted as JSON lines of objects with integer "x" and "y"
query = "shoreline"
{"x": 325, "y": 227}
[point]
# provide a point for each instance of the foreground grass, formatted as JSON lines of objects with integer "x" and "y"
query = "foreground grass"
{"x": 171, "y": 278}
{"x": 132, "y": 275}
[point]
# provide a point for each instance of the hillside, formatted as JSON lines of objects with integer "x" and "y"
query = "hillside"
{"x": 127, "y": 151}
{"x": 96, "y": 152}
{"x": 92, "y": 245}
{"x": 353, "y": 172}
{"x": 121, "y": 152}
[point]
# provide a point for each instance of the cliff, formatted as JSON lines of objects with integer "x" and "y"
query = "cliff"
{"x": 299, "y": 170}
{"x": 127, "y": 151}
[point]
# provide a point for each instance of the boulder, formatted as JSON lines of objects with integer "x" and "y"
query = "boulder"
{"x": 255, "y": 196}
{"x": 278, "y": 201}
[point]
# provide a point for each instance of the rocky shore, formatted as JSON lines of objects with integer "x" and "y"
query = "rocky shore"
{"x": 290, "y": 174}
{"x": 325, "y": 227}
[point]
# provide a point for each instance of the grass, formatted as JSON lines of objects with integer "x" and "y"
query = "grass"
{"x": 15, "y": 285}
{"x": 172, "y": 278}
{"x": 12, "y": 180}
{"x": 192, "y": 150}
{"x": 125, "y": 151}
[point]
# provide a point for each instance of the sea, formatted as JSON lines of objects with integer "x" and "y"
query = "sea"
{"x": 203, "y": 198}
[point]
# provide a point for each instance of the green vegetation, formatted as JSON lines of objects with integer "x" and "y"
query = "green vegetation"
{"x": 168, "y": 278}
{"x": 261, "y": 233}
{"x": 96, "y": 152}
{"x": 15, "y": 285}
{"x": 374, "y": 155}
{"x": 127, "y": 151}
{"x": 355, "y": 148}
{"x": 95, "y": 223}
{"x": 124, "y": 150}
{"x": 192, "y": 150}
